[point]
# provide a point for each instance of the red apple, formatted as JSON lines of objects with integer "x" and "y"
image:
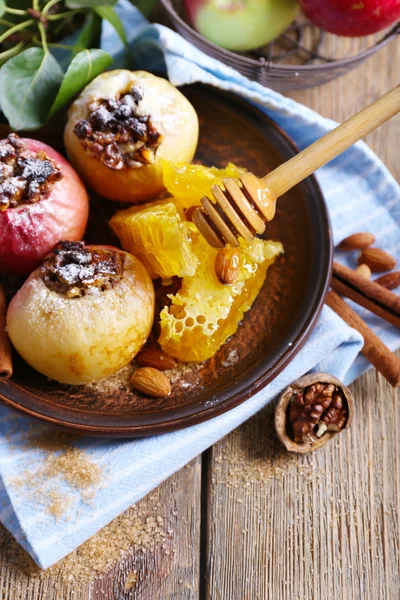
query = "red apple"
{"x": 29, "y": 230}
{"x": 352, "y": 18}
{"x": 241, "y": 24}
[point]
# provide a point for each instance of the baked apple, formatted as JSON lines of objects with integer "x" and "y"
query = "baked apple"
{"x": 83, "y": 314}
{"x": 42, "y": 201}
{"x": 122, "y": 127}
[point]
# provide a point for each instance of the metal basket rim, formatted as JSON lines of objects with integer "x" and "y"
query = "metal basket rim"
{"x": 269, "y": 66}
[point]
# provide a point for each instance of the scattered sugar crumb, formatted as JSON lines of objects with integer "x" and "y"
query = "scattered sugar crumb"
{"x": 182, "y": 369}
{"x": 58, "y": 504}
{"x": 75, "y": 467}
{"x": 131, "y": 580}
{"x": 62, "y": 463}
{"x": 231, "y": 359}
{"x": 251, "y": 455}
{"x": 118, "y": 381}
{"x": 135, "y": 529}
{"x": 121, "y": 379}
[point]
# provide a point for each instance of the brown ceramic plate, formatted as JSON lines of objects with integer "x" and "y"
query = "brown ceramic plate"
{"x": 272, "y": 332}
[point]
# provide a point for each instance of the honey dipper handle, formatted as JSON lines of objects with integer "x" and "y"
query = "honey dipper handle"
{"x": 287, "y": 175}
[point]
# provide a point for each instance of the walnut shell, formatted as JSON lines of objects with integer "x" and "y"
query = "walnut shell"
{"x": 311, "y": 442}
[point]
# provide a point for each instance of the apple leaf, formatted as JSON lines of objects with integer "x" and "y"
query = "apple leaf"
{"x": 89, "y": 36}
{"x": 108, "y": 13}
{"x": 145, "y": 6}
{"x": 29, "y": 84}
{"x": 84, "y": 67}
{"x": 2, "y": 7}
{"x": 89, "y": 3}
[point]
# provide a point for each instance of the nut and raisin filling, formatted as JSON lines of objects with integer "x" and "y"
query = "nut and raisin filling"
{"x": 118, "y": 134}
{"x": 26, "y": 177}
{"x": 73, "y": 269}
{"x": 318, "y": 408}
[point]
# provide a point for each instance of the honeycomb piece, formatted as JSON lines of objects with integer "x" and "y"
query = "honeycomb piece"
{"x": 204, "y": 313}
{"x": 157, "y": 235}
{"x": 188, "y": 183}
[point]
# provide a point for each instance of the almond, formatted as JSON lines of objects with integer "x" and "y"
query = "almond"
{"x": 357, "y": 241}
{"x": 227, "y": 265}
{"x": 364, "y": 271}
{"x": 153, "y": 357}
{"x": 151, "y": 382}
{"x": 390, "y": 281}
{"x": 377, "y": 260}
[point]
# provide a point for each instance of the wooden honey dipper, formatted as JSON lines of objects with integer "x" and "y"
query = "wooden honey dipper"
{"x": 243, "y": 208}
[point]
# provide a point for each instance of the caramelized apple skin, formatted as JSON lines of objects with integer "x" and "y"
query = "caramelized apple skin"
{"x": 82, "y": 340}
{"x": 171, "y": 113}
{"x": 28, "y": 232}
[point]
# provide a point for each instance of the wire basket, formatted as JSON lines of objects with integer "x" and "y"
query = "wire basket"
{"x": 296, "y": 60}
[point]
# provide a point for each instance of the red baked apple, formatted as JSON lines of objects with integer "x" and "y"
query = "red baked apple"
{"x": 352, "y": 18}
{"x": 42, "y": 201}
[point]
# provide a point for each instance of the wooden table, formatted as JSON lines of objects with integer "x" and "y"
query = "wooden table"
{"x": 246, "y": 521}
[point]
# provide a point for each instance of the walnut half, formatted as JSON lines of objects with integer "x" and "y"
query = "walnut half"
{"x": 311, "y": 411}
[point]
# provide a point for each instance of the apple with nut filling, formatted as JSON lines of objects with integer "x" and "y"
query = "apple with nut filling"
{"x": 42, "y": 201}
{"x": 84, "y": 314}
{"x": 122, "y": 127}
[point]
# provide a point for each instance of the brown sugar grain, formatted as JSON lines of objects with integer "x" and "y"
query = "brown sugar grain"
{"x": 141, "y": 527}
{"x": 63, "y": 464}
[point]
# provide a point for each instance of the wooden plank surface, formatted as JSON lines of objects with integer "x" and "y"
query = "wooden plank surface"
{"x": 283, "y": 527}
{"x": 299, "y": 528}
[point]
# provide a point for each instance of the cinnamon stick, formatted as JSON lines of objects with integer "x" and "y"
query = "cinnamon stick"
{"x": 6, "y": 369}
{"x": 366, "y": 293}
{"x": 385, "y": 361}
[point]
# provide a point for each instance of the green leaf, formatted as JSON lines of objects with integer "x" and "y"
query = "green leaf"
{"x": 90, "y": 34}
{"x": 28, "y": 86}
{"x": 145, "y": 6}
{"x": 108, "y": 13}
{"x": 2, "y": 7}
{"x": 21, "y": 4}
{"x": 84, "y": 67}
{"x": 89, "y": 3}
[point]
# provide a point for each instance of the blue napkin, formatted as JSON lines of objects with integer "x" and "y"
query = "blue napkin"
{"x": 361, "y": 195}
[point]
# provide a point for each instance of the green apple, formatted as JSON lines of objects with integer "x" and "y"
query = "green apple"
{"x": 241, "y": 24}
